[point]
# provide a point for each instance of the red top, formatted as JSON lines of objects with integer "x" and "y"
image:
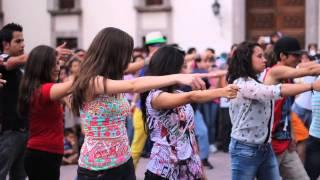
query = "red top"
{"x": 279, "y": 146}
{"x": 46, "y": 122}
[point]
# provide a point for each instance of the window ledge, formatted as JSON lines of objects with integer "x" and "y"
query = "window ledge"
{"x": 153, "y": 8}
{"x": 75, "y": 11}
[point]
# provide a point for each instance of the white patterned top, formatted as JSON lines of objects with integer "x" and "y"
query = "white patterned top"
{"x": 252, "y": 111}
{"x": 174, "y": 154}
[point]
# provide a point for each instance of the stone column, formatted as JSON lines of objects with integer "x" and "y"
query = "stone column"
{"x": 239, "y": 21}
{"x": 312, "y": 22}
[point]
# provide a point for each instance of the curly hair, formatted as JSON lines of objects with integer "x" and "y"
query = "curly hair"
{"x": 240, "y": 64}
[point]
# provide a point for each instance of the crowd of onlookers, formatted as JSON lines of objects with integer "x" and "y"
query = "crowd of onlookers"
{"x": 212, "y": 122}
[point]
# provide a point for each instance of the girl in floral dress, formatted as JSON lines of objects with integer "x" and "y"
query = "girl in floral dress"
{"x": 170, "y": 121}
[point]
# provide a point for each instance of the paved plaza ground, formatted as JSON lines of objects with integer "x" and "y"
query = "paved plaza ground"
{"x": 220, "y": 161}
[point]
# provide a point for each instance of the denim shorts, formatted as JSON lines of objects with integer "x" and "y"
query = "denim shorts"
{"x": 249, "y": 161}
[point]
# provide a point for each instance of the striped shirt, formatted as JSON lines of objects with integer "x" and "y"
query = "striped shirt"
{"x": 315, "y": 124}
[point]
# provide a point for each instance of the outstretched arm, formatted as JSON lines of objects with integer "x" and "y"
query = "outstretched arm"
{"x": 60, "y": 90}
{"x": 171, "y": 100}
{"x": 14, "y": 62}
{"x": 146, "y": 83}
{"x": 278, "y": 73}
{"x": 258, "y": 91}
{"x": 136, "y": 66}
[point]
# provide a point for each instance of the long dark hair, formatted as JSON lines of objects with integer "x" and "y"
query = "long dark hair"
{"x": 38, "y": 70}
{"x": 108, "y": 55}
{"x": 240, "y": 64}
{"x": 167, "y": 60}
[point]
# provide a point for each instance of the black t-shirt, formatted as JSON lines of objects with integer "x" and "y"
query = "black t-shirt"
{"x": 9, "y": 119}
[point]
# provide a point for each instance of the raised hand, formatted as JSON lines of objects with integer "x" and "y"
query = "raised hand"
{"x": 230, "y": 91}
{"x": 316, "y": 85}
{"x": 63, "y": 52}
{"x": 314, "y": 69}
{"x": 193, "y": 80}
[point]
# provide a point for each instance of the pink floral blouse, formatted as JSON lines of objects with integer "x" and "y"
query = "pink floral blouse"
{"x": 174, "y": 154}
{"x": 106, "y": 143}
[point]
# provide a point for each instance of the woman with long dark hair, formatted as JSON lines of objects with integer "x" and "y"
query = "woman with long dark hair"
{"x": 38, "y": 101}
{"x": 99, "y": 100}
{"x": 169, "y": 118}
{"x": 252, "y": 114}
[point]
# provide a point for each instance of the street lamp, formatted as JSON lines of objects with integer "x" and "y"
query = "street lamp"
{"x": 216, "y": 8}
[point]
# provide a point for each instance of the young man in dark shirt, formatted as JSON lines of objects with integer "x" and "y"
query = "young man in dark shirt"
{"x": 13, "y": 134}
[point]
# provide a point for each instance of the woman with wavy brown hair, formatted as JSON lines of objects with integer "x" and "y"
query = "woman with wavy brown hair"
{"x": 252, "y": 114}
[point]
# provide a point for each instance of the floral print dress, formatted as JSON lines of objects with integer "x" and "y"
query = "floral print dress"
{"x": 175, "y": 153}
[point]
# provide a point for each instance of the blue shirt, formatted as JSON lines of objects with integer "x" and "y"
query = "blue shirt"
{"x": 315, "y": 124}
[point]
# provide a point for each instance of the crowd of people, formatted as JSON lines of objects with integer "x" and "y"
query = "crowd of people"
{"x": 105, "y": 107}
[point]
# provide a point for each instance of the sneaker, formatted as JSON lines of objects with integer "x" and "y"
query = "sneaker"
{"x": 207, "y": 164}
{"x": 213, "y": 148}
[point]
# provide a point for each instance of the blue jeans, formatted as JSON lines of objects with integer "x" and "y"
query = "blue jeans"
{"x": 129, "y": 126}
{"x": 249, "y": 161}
{"x": 312, "y": 163}
{"x": 209, "y": 111}
{"x": 12, "y": 148}
{"x": 201, "y": 132}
